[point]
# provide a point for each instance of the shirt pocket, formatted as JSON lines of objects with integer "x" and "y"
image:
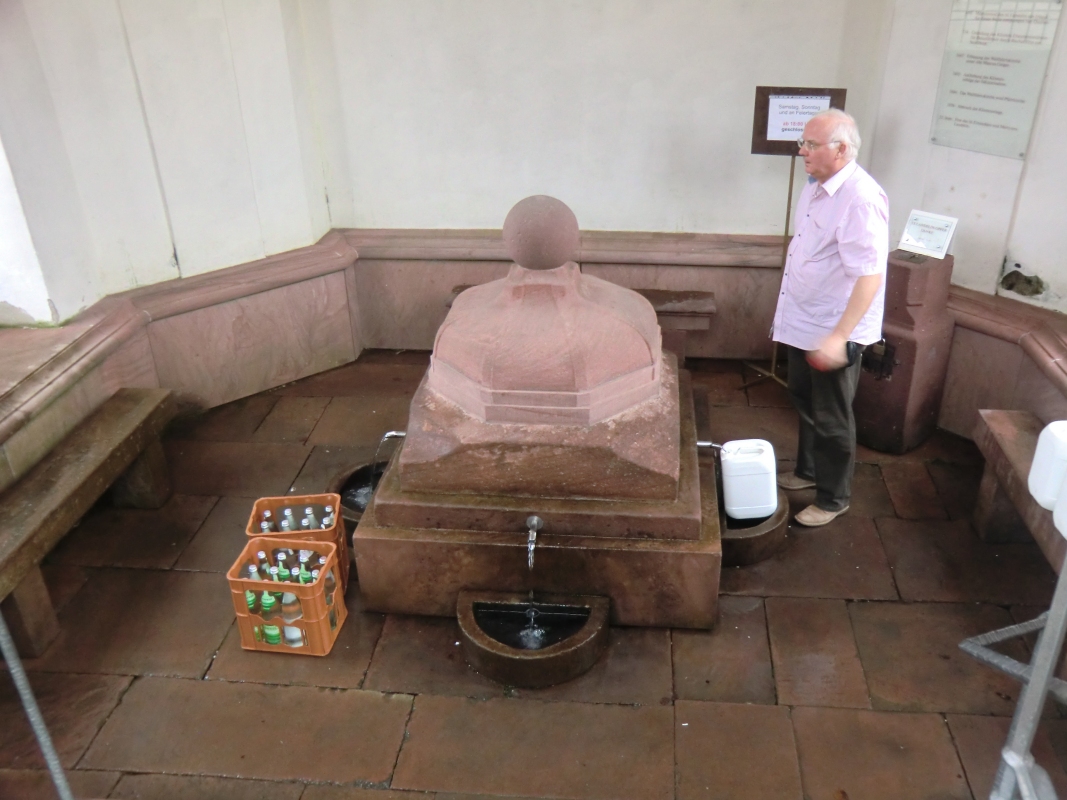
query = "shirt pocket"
{"x": 821, "y": 242}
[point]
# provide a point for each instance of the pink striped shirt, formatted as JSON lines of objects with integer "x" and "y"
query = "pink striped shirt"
{"x": 842, "y": 234}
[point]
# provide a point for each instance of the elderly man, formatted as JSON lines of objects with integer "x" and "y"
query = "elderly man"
{"x": 830, "y": 307}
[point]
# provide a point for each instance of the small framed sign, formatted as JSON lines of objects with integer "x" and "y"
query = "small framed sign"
{"x": 781, "y": 113}
{"x": 928, "y": 234}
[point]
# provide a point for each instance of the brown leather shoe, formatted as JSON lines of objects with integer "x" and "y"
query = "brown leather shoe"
{"x": 813, "y": 516}
{"x": 791, "y": 482}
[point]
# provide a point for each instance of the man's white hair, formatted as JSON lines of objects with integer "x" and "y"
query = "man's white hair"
{"x": 844, "y": 130}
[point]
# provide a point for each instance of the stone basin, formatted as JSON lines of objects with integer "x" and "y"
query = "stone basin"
{"x": 576, "y": 629}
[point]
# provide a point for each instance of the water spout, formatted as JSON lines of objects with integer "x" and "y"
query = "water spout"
{"x": 533, "y": 524}
{"x": 385, "y": 437}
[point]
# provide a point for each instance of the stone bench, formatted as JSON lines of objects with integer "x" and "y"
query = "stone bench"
{"x": 1005, "y": 510}
{"x": 677, "y": 312}
{"x": 117, "y": 446}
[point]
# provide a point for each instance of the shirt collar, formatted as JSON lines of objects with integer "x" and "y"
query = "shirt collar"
{"x": 834, "y": 182}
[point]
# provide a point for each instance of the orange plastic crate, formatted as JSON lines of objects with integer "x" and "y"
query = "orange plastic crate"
{"x": 321, "y": 616}
{"x": 335, "y": 533}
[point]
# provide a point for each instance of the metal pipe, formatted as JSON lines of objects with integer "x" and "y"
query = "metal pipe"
{"x": 533, "y": 524}
{"x": 29, "y": 703}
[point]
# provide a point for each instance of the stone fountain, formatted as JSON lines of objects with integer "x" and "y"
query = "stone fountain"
{"x": 548, "y": 395}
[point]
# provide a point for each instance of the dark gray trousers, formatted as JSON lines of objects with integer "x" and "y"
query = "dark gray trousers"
{"x": 826, "y": 446}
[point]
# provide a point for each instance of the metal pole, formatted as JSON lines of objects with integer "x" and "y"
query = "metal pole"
{"x": 29, "y": 703}
{"x": 1016, "y": 763}
{"x": 772, "y": 374}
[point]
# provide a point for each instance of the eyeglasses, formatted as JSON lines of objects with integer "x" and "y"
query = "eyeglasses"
{"x": 808, "y": 144}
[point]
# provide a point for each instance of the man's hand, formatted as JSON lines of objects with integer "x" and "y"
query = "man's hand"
{"x": 832, "y": 353}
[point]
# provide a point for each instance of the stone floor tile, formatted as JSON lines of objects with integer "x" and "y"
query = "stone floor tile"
{"x": 979, "y": 741}
{"x": 221, "y": 538}
{"x": 422, "y": 655}
{"x": 957, "y": 486}
{"x": 870, "y": 495}
{"x": 635, "y": 669}
{"x": 723, "y": 387}
{"x": 133, "y": 537}
{"x": 464, "y": 796}
{"x": 239, "y": 469}
{"x": 333, "y": 735}
{"x": 912, "y": 490}
{"x": 354, "y": 421}
{"x": 767, "y": 393}
{"x": 527, "y": 747}
{"x": 776, "y": 425}
{"x": 291, "y": 420}
{"x": 198, "y": 787}
{"x": 329, "y": 462}
{"x": 26, "y": 784}
{"x": 730, "y": 663}
{"x": 815, "y": 658}
{"x": 939, "y": 446}
{"x": 232, "y": 422}
{"x": 911, "y": 657}
{"x": 735, "y": 752}
{"x": 320, "y": 792}
{"x": 359, "y": 377}
{"x": 843, "y": 559}
{"x": 946, "y": 561}
{"x": 141, "y": 622}
{"x": 63, "y": 582}
{"x": 343, "y": 668}
{"x": 73, "y": 706}
{"x": 869, "y": 755}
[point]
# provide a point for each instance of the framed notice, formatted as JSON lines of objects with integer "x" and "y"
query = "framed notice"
{"x": 928, "y": 234}
{"x": 781, "y": 112}
{"x": 991, "y": 74}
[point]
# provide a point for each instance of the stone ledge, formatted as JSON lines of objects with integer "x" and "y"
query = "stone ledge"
{"x": 1041, "y": 333}
{"x": 597, "y": 247}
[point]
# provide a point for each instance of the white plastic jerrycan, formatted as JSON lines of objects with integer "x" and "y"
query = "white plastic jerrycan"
{"x": 749, "y": 474}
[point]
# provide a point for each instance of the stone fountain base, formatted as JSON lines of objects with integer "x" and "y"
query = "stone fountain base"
{"x": 658, "y": 563}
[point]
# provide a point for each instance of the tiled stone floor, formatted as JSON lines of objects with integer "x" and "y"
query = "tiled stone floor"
{"x": 833, "y": 673}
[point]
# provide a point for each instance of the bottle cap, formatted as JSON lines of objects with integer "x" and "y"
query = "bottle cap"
{"x": 309, "y": 511}
{"x": 274, "y": 573}
{"x": 281, "y": 557}
{"x": 262, "y": 555}
{"x": 266, "y": 515}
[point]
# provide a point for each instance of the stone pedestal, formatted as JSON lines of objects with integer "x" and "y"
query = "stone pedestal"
{"x": 658, "y": 560}
{"x": 895, "y": 412}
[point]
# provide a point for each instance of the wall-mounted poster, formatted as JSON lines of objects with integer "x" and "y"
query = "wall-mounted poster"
{"x": 781, "y": 113}
{"x": 995, "y": 60}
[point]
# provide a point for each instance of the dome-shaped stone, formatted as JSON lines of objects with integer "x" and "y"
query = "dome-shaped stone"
{"x": 550, "y": 346}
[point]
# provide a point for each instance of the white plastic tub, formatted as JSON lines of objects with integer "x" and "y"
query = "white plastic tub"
{"x": 1049, "y": 467}
{"x": 749, "y": 473}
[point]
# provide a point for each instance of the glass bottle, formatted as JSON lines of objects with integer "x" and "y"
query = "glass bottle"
{"x": 313, "y": 521}
{"x": 291, "y": 610}
{"x": 266, "y": 605}
{"x": 294, "y": 637}
{"x": 267, "y": 523}
{"x": 264, "y": 564}
{"x": 253, "y": 573}
{"x": 272, "y": 634}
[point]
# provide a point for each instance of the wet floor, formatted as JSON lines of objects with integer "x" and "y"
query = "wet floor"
{"x": 833, "y": 673}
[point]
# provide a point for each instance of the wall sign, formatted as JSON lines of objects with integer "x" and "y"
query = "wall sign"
{"x": 781, "y": 113}
{"x": 995, "y": 60}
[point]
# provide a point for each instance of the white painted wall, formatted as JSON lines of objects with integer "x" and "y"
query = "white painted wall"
{"x": 636, "y": 113}
{"x": 23, "y": 294}
{"x": 149, "y": 140}
{"x": 981, "y": 190}
{"x": 1038, "y": 238}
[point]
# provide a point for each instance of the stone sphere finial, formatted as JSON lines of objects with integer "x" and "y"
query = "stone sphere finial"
{"x": 541, "y": 232}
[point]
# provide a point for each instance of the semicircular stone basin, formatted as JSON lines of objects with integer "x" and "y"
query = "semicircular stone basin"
{"x": 532, "y": 643}
{"x": 746, "y": 542}
{"x": 356, "y": 485}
